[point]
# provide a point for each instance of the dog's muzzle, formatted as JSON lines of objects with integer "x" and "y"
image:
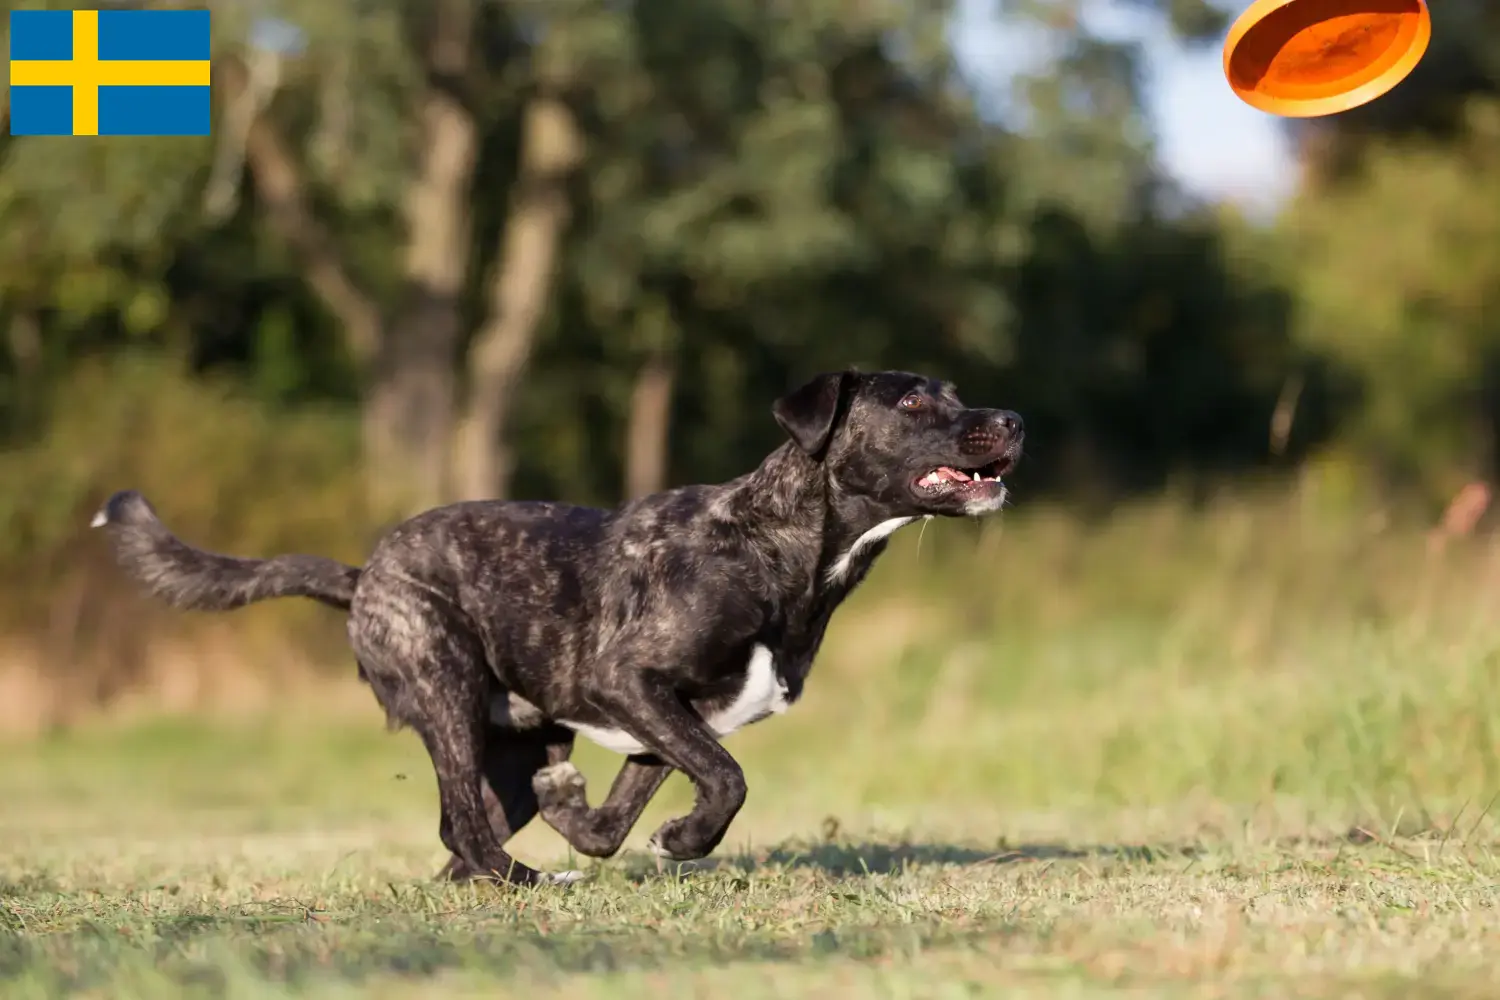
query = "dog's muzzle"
{"x": 985, "y": 452}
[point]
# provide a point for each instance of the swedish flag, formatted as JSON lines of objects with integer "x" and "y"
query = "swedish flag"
{"x": 112, "y": 72}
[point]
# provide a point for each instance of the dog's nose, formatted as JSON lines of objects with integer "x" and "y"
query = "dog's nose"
{"x": 1011, "y": 422}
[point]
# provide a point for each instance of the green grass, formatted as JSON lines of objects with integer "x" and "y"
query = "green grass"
{"x": 1159, "y": 757}
{"x": 349, "y": 914}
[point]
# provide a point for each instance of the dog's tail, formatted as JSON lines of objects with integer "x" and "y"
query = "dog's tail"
{"x": 190, "y": 578}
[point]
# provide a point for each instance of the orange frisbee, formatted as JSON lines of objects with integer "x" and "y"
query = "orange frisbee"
{"x": 1304, "y": 58}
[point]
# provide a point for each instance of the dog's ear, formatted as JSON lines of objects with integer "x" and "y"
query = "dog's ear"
{"x": 807, "y": 414}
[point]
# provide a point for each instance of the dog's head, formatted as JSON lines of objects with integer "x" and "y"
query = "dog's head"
{"x": 904, "y": 442}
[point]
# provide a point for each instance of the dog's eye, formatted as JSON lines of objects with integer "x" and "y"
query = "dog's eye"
{"x": 912, "y": 401}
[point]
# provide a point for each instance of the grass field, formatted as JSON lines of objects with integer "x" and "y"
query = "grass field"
{"x": 1154, "y": 758}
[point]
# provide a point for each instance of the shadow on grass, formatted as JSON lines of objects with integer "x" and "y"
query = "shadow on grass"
{"x": 186, "y": 952}
{"x": 842, "y": 859}
{"x": 67, "y": 943}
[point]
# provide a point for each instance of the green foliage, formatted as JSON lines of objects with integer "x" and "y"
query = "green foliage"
{"x": 765, "y": 192}
{"x": 224, "y": 468}
{"x": 1402, "y": 267}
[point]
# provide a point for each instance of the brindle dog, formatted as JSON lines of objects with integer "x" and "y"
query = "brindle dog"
{"x": 500, "y": 630}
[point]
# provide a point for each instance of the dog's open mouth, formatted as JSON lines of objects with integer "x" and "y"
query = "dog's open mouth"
{"x": 948, "y": 478}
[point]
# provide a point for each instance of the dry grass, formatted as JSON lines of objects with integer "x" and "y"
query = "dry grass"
{"x": 1248, "y": 751}
{"x": 228, "y": 871}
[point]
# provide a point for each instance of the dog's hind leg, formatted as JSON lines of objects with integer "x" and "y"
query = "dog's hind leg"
{"x": 598, "y": 833}
{"x": 511, "y": 759}
{"x": 425, "y": 662}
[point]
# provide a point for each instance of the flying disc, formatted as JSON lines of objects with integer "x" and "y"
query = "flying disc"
{"x": 1304, "y": 58}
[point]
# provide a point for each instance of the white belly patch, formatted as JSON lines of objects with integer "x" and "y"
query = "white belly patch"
{"x": 763, "y": 695}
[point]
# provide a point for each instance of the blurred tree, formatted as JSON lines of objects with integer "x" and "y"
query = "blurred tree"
{"x": 1401, "y": 283}
{"x": 1395, "y": 237}
{"x": 462, "y": 212}
{"x": 552, "y": 148}
{"x": 574, "y": 248}
{"x": 415, "y": 68}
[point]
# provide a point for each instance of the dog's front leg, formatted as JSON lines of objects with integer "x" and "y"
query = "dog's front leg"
{"x": 597, "y": 833}
{"x": 648, "y": 709}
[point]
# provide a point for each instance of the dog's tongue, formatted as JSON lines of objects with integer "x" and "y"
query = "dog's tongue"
{"x": 945, "y": 474}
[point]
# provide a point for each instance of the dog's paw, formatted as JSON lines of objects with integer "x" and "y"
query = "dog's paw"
{"x": 663, "y": 845}
{"x": 564, "y": 878}
{"x": 561, "y": 780}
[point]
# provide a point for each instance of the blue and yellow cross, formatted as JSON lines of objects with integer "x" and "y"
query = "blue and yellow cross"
{"x": 114, "y": 72}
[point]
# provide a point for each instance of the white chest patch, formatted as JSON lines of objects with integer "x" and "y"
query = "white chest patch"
{"x": 881, "y": 531}
{"x": 764, "y": 694}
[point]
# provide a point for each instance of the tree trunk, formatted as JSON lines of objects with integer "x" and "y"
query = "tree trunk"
{"x": 648, "y": 434}
{"x": 411, "y": 408}
{"x": 25, "y": 340}
{"x": 551, "y": 149}
{"x": 282, "y": 195}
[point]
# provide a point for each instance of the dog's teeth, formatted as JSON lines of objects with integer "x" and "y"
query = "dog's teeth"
{"x": 977, "y": 477}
